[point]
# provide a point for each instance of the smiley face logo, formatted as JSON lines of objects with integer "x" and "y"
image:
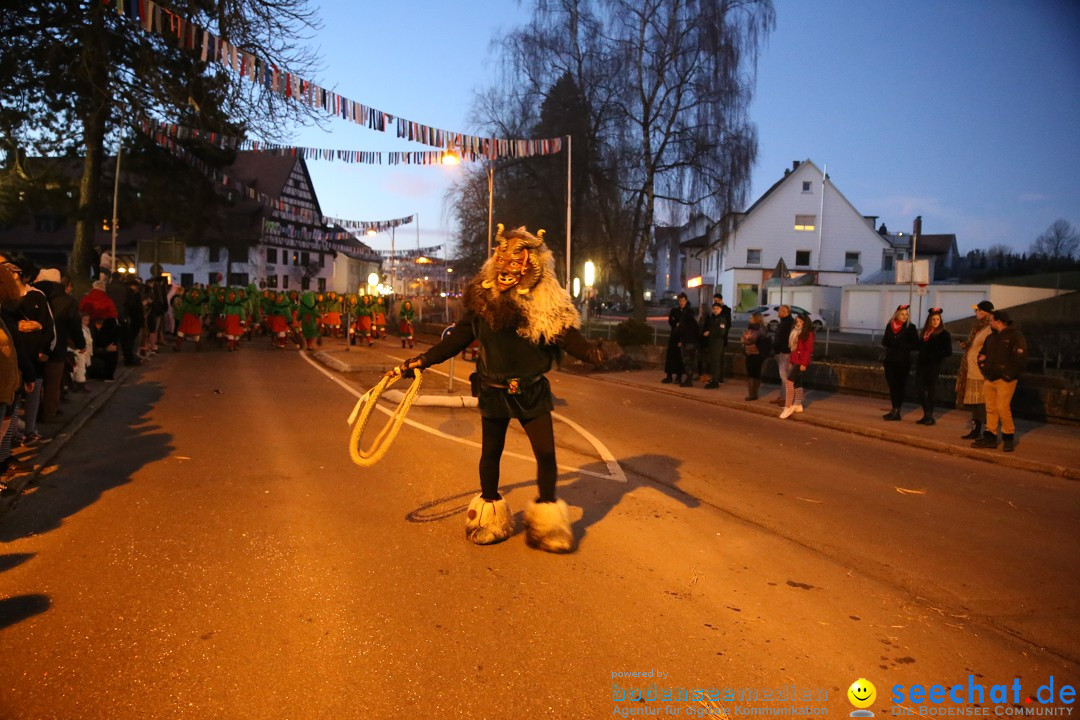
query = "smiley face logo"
{"x": 862, "y": 693}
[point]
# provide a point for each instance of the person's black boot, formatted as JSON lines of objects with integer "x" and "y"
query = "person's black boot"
{"x": 1007, "y": 442}
{"x": 667, "y": 379}
{"x": 892, "y": 415}
{"x": 988, "y": 440}
{"x": 975, "y": 433}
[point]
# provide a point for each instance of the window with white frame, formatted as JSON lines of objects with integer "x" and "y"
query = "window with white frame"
{"x": 851, "y": 259}
{"x": 802, "y": 258}
{"x": 806, "y": 186}
{"x": 805, "y": 222}
{"x": 753, "y": 257}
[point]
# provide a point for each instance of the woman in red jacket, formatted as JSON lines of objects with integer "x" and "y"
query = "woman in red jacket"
{"x": 801, "y": 342}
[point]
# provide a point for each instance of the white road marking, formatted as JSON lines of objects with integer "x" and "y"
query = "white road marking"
{"x": 614, "y": 469}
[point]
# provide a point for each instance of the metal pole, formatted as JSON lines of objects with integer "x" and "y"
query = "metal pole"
{"x": 491, "y": 199}
{"x": 569, "y": 155}
{"x": 116, "y": 193}
{"x": 916, "y": 229}
{"x": 821, "y": 219}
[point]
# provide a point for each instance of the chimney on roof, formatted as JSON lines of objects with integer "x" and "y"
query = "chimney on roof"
{"x": 795, "y": 165}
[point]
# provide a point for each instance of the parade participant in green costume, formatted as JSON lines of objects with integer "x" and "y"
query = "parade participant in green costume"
{"x": 308, "y": 314}
{"x": 192, "y": 309}
{"x": 332, "y": 319}
{"x": 378, "y": 309}
{"x": 235, "y": 311}
{"x": 252, "y": 309}
{"x": 365, "y": 317}
{"x": 406, "y": 315}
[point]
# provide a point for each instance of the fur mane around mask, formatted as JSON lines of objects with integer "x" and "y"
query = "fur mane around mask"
{"x": 545, "y": 312}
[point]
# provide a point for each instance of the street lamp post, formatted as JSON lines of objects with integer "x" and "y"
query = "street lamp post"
{"x": 116, "y": 193}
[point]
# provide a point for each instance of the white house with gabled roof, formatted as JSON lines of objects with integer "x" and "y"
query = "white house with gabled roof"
{"x": 808, "y": 223}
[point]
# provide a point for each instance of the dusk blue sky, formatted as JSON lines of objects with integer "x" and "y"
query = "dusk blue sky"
{"x": 964, "y": 112}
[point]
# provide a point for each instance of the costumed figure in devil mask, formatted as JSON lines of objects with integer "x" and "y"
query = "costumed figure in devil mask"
{"x": 523, "y": 320}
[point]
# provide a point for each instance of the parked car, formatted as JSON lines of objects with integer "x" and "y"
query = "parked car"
{"x": 772, "y": 316}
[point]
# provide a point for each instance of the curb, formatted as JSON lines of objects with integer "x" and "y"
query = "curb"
{"x": 66, "y": 432}
{"x": 997, "y": 458}
{"x": 450, "y": 401}
{"x": 335, "y": 364}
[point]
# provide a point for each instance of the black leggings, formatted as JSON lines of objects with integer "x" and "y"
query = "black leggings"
{"x": 896, "y": 375}
{"x": 541, "y": 437}
{"x": 927, "y": 376}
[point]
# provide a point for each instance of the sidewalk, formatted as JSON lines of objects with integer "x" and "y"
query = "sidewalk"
{"x": 76, "y": 410}
{"x": 1053, "y": 449}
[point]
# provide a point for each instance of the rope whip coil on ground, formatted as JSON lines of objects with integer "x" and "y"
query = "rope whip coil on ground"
{"x": 367, "y": 458}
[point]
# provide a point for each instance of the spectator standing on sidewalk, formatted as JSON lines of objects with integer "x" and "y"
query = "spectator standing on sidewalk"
{"x": 68, "y": 327}
{"x": 969, "y": 379}
{"x": 686, "y": 336}
{"x": 104, "y": 330}
{"x": 756, "y": 346}
{"x": 13, "y": 364}
{"x": 118, "y": 292}
{"x": 83, "y": 356}
{"x": 801, "y": 347}
{"x": 934, "y": 346}
{"x": 33, "y": 317}
{"x": 782, "y": 350}
{"x": 673, "y": 360}
{"x": 1002, "y": 360}
{"x": 901, "y": 339}
{"x": 714, "y": 337}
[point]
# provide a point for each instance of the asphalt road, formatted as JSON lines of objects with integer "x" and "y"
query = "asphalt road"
{"x": 205, "y": 548}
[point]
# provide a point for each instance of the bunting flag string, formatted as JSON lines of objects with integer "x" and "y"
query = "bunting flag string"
{"x": 370, "y": 157}
{"x": 288, "y": 212}
{"x": 153, "y": 17}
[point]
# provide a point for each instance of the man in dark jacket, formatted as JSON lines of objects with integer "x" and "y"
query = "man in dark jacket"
{"x": 119, "y": 293}
{"x": 714, "y": 336}
{"x": 685, "y": 336}
{"x": 68, "y": 327}
{"x": 781, "y": 348}
{"x": 1001, "y": 360}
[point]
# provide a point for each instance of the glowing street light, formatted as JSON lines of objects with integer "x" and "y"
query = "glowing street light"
{"x": 450, "y": 157}
{"x": 590, "y": 273}
{"x": 577, "y": 287}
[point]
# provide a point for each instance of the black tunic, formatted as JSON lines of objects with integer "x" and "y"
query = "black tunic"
{"x": 505, "y": 356}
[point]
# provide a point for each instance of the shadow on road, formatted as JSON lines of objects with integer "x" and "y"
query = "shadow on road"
{"x": 19, "y": 608}
{"x": 122, "y": 443}
{"x": 597, "y": 497}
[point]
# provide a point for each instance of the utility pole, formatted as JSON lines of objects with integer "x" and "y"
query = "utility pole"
{"x": 116, "y": 192}
{"x": 916, "y": 231}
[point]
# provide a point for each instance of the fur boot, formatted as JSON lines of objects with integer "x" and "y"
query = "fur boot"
{"x": 488, "y": 521}
{"x": 547, "y": 527}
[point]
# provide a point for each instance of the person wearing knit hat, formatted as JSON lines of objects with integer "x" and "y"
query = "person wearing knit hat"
{"x": 67, "y": 327}
{"x": 969, "y": 378}
{"x": 1002, "y": 360}
{"x": 935, "y": 344}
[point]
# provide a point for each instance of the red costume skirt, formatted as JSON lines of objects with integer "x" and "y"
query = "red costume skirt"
{"x": 277, "y": 324}
{"x": 333, "y": 319}
{"x": 191, "y": 325}
{"x": 363, "y": 324}
{"x": 233, "y": 328}
{"x": 406, "y": 328}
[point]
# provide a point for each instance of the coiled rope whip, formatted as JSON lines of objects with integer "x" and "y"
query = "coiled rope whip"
{"x": 367, "y": 458}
